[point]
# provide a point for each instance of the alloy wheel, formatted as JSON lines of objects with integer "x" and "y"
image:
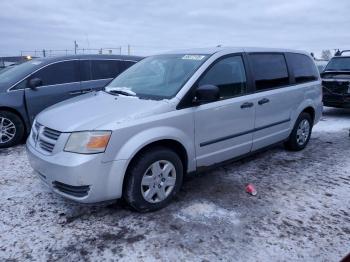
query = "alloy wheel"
{"x": 7, "y": 130}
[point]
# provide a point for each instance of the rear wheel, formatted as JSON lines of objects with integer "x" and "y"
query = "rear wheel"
{"x": 153, "y": 179}
{"x": 301, "y": 133}
{"x": 11, "y": 129}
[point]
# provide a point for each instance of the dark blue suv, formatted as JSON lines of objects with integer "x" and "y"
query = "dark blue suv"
{"x": 28, "y": 88}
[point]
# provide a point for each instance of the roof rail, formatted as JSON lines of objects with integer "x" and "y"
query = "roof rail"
{"x": 340, "y": 53}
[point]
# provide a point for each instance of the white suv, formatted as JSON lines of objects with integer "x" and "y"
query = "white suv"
{"x": 173, "y": 114}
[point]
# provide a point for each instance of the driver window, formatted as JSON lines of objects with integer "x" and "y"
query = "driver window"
{"x": 228, "y": 75}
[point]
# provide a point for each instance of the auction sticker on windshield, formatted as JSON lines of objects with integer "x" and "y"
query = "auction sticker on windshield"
{"x": 193, "y": 57}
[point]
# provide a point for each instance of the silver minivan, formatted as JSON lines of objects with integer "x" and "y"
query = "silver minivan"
{"x": 174, "y": 114}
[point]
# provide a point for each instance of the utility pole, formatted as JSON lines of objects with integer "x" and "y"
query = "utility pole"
{"x": 128, "y": 49}
{"x": 75, "y": 47}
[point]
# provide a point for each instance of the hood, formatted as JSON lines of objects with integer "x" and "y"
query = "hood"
{"x": 96, "y": 110}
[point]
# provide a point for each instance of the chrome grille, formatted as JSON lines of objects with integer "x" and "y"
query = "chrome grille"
{"x": 44, "y": 138}
{"x": 46, "y": 146}
{"x": 50, "y": 133}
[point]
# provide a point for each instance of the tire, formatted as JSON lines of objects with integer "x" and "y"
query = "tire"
{"x": 11, "y": 129}
{"x": 301, "y": 133}
{"x": 148, "y": 188}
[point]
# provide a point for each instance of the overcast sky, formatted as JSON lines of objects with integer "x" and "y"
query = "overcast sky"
{"x": 158, "y": 25}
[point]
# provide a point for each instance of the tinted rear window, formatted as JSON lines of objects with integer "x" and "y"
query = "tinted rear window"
{"x": 85, "y": 70}
{"x": 58, "y": 73}
{"x": 125, "y": 65}
{"x": 103, "y": 69}
{"x": 303, "y": 68}
{"x": 270, "y": 71}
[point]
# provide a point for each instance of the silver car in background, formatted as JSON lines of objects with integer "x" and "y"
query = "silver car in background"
{"x": 173, "y": 114}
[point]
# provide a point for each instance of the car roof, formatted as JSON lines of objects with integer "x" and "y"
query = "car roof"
{"x": 48, "y": 60}
{"x": 213, "y": 50}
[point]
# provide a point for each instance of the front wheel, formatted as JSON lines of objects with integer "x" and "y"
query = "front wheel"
{"x": 153, "y": 179}
{"x": 11, "y": 129}
{"x": 301, "y": 133}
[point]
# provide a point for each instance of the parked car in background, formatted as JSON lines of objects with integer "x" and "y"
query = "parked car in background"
{"x": 336, "y": 81}
{"x": 28, "y": 88}
{"x": 173, "y": 114}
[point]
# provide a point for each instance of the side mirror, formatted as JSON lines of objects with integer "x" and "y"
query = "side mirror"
{"x": 35, "y": 82}
{"x": 206, "y": 94}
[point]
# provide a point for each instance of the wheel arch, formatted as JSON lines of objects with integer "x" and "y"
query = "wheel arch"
{"x": 171, "y": 144}
{"x": 307, "y": 106}
{"x": 18, "y": 113}
{"x": 311, "y": 111}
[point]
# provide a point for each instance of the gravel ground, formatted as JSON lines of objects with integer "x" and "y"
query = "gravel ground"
{"x": 301, "y": 212}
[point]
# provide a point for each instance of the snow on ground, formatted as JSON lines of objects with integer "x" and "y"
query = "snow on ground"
{"x": 334, "y": 120}
{"x": 301, "y": 212}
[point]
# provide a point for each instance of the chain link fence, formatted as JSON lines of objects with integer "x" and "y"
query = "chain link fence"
{"x": 141, "y": 50}
{"x": 78, "y": 51}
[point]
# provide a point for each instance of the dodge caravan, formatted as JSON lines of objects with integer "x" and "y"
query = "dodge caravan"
{"x": 173, "y": 114}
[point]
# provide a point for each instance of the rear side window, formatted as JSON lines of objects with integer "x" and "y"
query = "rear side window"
{"x": 228, "y": 75}
{"x": 103, "y": 69}
{"x": 85, "y": 70}
{"x": 269, "y": 70}
{"x": 125, "y": 65}
{"x": 58, "y": 73}
{"x": 303, "y": 68}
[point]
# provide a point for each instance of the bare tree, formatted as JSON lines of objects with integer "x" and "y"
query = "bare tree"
{"x": 326, "y": 54}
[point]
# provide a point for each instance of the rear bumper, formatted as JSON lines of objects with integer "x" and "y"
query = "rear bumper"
{"x": 337, "y": 100}
{"x": 82, "y": 178}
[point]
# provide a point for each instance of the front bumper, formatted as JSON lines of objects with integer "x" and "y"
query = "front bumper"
{"x": 337, "y": 100}
{"x": 82, "y": 178}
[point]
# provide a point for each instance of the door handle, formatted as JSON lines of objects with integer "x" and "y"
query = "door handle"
{"x": 247, "y": 105}
{"x": 75, "y": 93}
{"x": 263, "y": 101}
{"x": 84, "y": 91}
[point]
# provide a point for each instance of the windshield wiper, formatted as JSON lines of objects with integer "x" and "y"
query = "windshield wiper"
{"x": 120, "y": 91}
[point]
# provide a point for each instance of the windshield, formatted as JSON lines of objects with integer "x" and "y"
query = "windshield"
{"x": 16, "y": 73}
{"x": 339, "y": 64}
{"x": 157, "y": 77}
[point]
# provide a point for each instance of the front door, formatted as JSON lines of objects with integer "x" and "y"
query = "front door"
{"x": 60, "y": 81}
{"x": 223, "y": 129}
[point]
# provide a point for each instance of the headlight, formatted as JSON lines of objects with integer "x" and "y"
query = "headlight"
{"x": 88, "y": 142}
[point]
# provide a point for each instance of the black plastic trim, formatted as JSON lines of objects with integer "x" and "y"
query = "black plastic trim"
{"x": 241, "y": 133}
{"x": 77, "y": 191}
